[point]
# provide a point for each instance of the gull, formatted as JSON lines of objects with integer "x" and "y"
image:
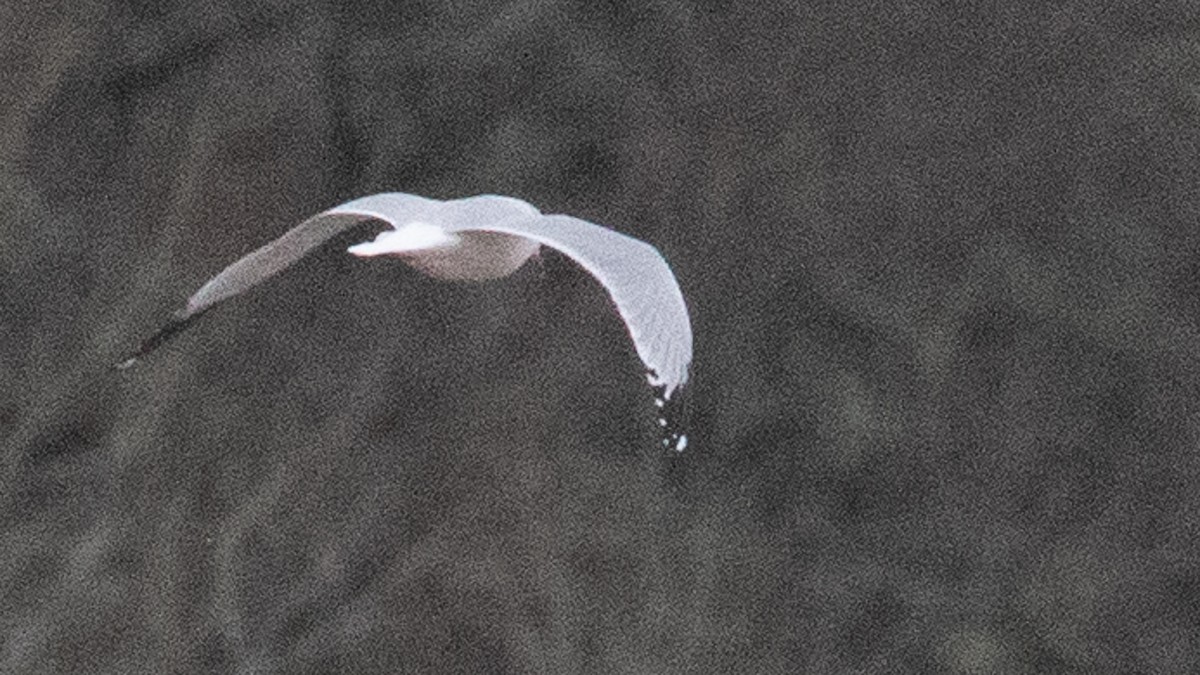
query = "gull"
{"x": 477, "y": 239}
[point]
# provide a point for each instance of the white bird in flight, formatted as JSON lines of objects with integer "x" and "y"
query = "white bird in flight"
{"x": 479, "y": 238}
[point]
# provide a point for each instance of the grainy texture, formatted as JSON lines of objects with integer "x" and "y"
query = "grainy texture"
{"x": 942, "y": 264}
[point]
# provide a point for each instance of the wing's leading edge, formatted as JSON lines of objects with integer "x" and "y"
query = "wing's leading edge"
{"x": 297, "y": 242}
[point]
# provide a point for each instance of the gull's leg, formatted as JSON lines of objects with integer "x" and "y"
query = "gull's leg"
{"x": 540, "y": 261}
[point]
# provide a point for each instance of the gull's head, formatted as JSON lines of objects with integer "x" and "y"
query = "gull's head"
{"x": 408, "y": 239}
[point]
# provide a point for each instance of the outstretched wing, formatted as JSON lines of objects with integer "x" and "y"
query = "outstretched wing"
{"x": 635, "y": 274}
{"x": 297, "y": 242}
{"x": 276, "y": 256}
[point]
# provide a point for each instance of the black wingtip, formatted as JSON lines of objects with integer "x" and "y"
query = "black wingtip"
{"x": 177, "y": 323}
{"x": 674, "y": 418}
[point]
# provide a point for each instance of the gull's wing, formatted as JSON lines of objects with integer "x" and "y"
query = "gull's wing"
{"x": 274, "y": 257}
{"x": 633, "y": 272}
{"x": 297, "y": 242}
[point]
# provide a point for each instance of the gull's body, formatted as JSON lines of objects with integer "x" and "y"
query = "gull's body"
{"x": 480, "y": 238}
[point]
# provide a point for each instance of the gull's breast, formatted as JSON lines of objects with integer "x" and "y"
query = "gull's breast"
{"x": 475, "y": 256}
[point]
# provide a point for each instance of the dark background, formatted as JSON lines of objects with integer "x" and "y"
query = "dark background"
{"x": 944, "y": 274}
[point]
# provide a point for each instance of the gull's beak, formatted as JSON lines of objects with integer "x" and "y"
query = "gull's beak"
{"x": 406, "y": 239}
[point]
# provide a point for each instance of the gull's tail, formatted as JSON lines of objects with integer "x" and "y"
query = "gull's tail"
{"x": 177, "y": 323}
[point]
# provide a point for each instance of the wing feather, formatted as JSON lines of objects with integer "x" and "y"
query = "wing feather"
{"x": 282, "y": 253}
{"x": 635, "y": 275}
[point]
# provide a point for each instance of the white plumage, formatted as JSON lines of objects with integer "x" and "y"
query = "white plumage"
{"x": 480, "y": 238}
